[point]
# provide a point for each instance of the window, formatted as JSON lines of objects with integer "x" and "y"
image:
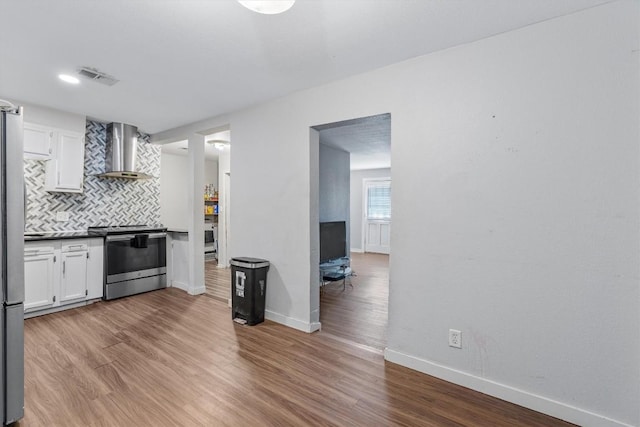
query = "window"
{"x": 379, "y": 200}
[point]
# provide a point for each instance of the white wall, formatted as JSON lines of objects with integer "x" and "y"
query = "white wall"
{"x": 224, "y": 210}
{"x": 51, "y": 117}
{"x": 178, "y": 260}
{"x": 357, "y": 202}
{"x": 195, "y": 209}
{"x": 174, "y": 174}
{"x": 515, "y": 209}
{"x": 334, "y": 186}
{"x": 211, "y": 173}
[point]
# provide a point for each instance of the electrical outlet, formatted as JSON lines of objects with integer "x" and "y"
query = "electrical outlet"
{"x": 455, "y": 338}
{"x": 62, "y": 216}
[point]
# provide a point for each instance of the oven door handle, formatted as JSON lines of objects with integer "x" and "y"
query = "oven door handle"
{"x": 119, "y": 237}
{"x": 157, "y": 235}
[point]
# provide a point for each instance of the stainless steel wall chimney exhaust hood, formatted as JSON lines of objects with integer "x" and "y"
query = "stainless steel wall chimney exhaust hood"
{"x": 121, "y": 151}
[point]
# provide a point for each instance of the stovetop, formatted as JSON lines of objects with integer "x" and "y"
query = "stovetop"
{"x": 126, "y": 229}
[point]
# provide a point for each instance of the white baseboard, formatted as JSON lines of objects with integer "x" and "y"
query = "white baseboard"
{"x": 185, "y": 287}
{"x": 315, "y": 326}
{"x": 197, "y": 291}
{"x": 357, "y": 250}
{"x": 180, "y": 285}
{"x": 31, "y": 314}
{"x": 291, "y": 322}
{"x": 510, "y": 394}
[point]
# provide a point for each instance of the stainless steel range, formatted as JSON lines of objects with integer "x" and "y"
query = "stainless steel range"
{"x": 135, "y": 259}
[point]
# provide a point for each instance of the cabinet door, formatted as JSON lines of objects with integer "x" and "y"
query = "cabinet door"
{"x": 95, "y": 273}
{"x": 38, "y": 281}
{"x": 73, "y": 284}
{"x": 37, "y": 142}
{"x": 70, "y": 161}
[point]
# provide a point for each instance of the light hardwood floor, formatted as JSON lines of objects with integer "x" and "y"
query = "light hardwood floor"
{"x": 359, "y": 312}
{"x": 217, "y": 281}
{"x": 165, "y": 358}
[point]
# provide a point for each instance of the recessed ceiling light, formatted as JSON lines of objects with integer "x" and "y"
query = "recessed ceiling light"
{"x": 69, "y": 79}
{"x": 268, "y": 7}
{"x": 219, "y": 144}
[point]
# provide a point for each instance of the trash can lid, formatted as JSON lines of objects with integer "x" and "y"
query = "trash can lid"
{"x": 249, "y": 259}
{"x": 248, "y": 262}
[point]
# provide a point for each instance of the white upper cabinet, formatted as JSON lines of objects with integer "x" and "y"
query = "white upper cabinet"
{"x": 38, "y": 141}
{"x": 64, "y": 152}
{"x": 65, "y": 170}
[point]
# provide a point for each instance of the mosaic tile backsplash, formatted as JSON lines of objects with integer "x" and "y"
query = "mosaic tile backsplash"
{"x": 105, "y": 201}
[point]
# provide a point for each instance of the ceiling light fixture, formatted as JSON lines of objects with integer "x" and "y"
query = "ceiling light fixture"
{"x": 268, "y": 7}
{"x": 68, "y": 79}
{"x": 219, "y": 144}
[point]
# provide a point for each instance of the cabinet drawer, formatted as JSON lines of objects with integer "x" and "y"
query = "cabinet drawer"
{"x": 30, "y": 250}
{"x": 75, "y": 246}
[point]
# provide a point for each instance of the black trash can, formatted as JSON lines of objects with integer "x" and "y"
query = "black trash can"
{"x": 248, "y": 289}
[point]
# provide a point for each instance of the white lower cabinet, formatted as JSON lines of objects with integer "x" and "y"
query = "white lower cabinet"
{"x": 73, "y": 281}
{"x": 95, "y": 272}
{"x": 62, "y": 272}
{"x": 39, "y": 277}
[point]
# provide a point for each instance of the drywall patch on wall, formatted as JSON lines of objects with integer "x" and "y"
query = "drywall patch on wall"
{"x": 105, "y": 201}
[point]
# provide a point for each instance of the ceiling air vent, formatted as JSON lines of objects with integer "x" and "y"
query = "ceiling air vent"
{"x": 97, "y": 76}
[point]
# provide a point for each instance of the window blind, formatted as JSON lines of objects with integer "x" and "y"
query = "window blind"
{"x": 379, "y": 200}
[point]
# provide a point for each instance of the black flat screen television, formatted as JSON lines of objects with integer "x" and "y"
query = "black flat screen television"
{"x": 333, "y": 240}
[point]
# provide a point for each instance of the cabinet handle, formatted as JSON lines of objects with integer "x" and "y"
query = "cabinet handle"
{"x": 64, "y": 263}
{"x": 86, "y": 292}
{"x": 54, "y": 298}
{"x": 54, "y": 258}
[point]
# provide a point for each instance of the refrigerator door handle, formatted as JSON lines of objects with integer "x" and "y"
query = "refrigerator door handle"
{"x": 14, "y": 362}
{"x": 12, "y": 264}
{"x": 13, "y": 222}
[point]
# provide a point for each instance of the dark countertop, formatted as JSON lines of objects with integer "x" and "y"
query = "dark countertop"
{"x": 57, "y": 235}
{"x": 177, "y": 230}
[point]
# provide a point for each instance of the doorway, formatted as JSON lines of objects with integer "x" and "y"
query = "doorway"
{"x": 356, "y": 311}
{"x": 217, "y": 277}
{"x": 377, "y": 215}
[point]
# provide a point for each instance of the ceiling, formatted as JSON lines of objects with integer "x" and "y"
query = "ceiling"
{"x": 368, "y": 139}
{"x": 179, "y": 61}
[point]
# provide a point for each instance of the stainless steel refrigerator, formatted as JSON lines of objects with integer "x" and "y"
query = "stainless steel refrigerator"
{"x": 12, "y": 198}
